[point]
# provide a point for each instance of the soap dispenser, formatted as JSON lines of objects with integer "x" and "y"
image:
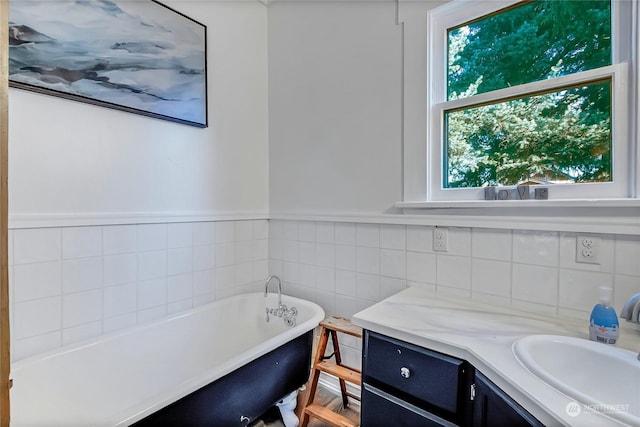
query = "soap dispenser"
{"x": 603, "y": 323}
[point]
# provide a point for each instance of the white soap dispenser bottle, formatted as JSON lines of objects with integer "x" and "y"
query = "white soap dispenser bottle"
{"x": 604, "y": 326}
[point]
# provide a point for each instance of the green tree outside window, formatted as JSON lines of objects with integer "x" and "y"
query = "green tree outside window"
{"x": 561, "y": 136}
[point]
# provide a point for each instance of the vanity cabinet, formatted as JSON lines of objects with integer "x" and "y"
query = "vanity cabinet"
{"x": 493, "y": 407}
{"x": 408, "y": 385}
{"x": 411, "y": 381}
{"x": 383, "y": 410}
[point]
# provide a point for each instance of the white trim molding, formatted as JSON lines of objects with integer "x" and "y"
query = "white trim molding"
{"x": 412, "y": 15}
{"x": 73, "y": 219}
{"x": 578, "y": 219}
{"x": 590, "y": 216}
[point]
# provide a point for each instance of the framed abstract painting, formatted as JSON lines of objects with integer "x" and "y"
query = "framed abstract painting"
{"x": 138, "y": 56}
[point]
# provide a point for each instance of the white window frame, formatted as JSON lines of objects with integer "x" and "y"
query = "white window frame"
{"x": 459, "y": 12}
{"x": 423, "y": 175}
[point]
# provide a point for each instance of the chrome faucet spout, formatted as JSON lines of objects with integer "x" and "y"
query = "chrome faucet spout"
{"x": 266, "y": 288}
{"x": 631, "y": 311}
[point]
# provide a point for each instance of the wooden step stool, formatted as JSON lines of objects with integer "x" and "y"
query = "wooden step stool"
{"x": 330, "y": 327}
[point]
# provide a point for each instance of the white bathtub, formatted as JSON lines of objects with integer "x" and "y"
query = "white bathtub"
{"x": 120, "y": 378}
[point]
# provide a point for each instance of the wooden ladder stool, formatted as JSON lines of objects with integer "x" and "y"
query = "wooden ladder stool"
{"x": 330, "y": 327}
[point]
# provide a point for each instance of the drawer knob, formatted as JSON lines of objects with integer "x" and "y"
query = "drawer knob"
{"x": 405, "y": 372}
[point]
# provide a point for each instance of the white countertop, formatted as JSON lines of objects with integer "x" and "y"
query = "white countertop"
{"x": 483, "y": 335}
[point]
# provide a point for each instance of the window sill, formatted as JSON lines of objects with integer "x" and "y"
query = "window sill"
{"x": 615, "y": 216}
{"x": 522, "y": 204}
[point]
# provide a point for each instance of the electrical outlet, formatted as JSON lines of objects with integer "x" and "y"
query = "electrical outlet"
{"x": 588, "y": 249}
{"x": 441, "y": 239}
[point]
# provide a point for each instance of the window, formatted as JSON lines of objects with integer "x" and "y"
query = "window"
{"x": 532, "y": 92}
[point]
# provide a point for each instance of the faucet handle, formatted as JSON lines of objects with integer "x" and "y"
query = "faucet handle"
{"x": 282, "y": 310}
{"x": 290, "y": 316}
{"x": 631, "y": 310}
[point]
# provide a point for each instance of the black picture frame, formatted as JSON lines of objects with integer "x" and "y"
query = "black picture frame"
{"x": 138, "y": 56}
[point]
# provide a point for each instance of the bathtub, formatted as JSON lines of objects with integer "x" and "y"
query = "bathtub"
{"x": 123, "y": 378}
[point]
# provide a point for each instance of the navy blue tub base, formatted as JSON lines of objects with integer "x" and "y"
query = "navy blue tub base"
{"x": 241, "y": 396}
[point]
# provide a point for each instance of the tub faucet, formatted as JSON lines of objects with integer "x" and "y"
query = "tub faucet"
{"x": 282, "y": 310}
{"x": 266, "y": 288}
{"x": 631, "y": 311}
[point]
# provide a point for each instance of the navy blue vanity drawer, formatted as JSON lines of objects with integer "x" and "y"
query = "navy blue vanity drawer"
{"x": 384, "y": 410}
{"x": 414, "y": 373}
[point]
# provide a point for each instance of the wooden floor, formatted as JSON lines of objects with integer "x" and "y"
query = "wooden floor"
{"x": 325, "y": 397}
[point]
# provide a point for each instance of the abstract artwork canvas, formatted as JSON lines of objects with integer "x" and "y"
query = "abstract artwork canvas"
{"x": 133, "y": 55}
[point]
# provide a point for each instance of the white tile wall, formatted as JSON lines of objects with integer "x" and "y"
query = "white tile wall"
{"x": 325, "y": 232}
{"x": 152, "y": 264}
{"x": 152, "y": 237}
{"x": 535, "y": 283}
{"x": 81, "y": 274}
{"x": 627, "y": 254}
{"x": 119, "y": 269}
{"x": 203, "y": 233}
{"x": 37, "y": 245}
{"x": 368, "y": 260}
{"x": 180, "y": 261}
{"x": 68, "y": 284}
{"x": 393, "y": 237}
{"x": 72, "y": 283}
{"x": 38, "y": 280}
{"x": 345, "y": 233}
{"x": 36, "y": 317}
{"x": 119, "y": 239}
{"x": 356, "y": 265}
{"x": 368, "y": 235}
{"x": 419, "y": 239}
{"x": 393, "y": 263}
{"x": 180, "y": 235}
{"x": 454, "y": 271}
{"x": 536, "y": 247}
{"x": 421, "y": 267}
{"x": 491, "y": 277}
{"x": 81, "y": 242}
{"x": 491, "y": 244}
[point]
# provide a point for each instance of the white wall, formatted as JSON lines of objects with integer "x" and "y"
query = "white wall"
{"x": 71, "y": 157}
{"x": 335, "y": 71}
{"x": 336, "y": 167}
{"x": 344, "y": 127}
{"x": 83, "y": 178}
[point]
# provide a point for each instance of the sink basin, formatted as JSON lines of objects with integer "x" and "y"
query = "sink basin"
{"x": 602, "y": 377}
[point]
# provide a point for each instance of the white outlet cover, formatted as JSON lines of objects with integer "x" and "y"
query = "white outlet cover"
{"x": 588, "y": 249}
{"x": 441, "y": 239}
